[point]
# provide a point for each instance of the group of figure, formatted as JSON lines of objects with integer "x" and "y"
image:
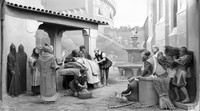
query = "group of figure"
{"x": 42, "y": 65}
{"x": 16, "y": 71}
{"x": 90, "y": 68}
{"x": 168, "y": 70}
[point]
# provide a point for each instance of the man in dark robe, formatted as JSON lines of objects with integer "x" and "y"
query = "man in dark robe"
{"x": 22, "y": 59}
{"x": 13, "y": 84}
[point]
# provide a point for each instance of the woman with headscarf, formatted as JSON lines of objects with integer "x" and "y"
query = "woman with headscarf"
{"x": 47, "y": 67}
{"x": 22, "y": 59}
{"x": 13, "y": 82}
{"x": 34, "y": 72}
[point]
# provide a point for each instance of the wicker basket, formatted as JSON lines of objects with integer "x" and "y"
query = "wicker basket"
{"x": 85, "y": 94}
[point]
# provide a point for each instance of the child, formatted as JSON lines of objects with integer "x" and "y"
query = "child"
{"x": 79, "y": 83}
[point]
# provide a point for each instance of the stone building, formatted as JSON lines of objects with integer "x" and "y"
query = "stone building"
{"x": 176, "y": 23}
{"x": 103, "y": 10}
{"x": 20, "y": 19}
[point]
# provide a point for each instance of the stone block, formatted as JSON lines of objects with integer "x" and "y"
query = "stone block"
{"x": 147, "y": 93}
{"x": 187, "y": 106}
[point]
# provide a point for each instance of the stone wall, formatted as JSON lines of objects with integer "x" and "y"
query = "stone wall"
{"x": 17, "y": 31}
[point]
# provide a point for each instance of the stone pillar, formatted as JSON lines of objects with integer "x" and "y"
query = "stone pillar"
{"x": 166, "y": 22}
{"x": 90, "y": 36}
{"x": 55, "y": 36}
{"x": 93, "y": 39}
{"x": 86, "y": 36}
{"x": 151, "y": 23}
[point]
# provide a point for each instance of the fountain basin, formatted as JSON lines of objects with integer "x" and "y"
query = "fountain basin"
{"x": 129, "y": 69}
{"x": 134, "y": 55}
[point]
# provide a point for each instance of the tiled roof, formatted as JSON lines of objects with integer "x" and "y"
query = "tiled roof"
{"x": 30, "y": 8}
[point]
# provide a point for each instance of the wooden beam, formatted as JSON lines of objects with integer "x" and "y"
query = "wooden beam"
{"x": 45, "y": 26}
{"x": 49, "y": 18}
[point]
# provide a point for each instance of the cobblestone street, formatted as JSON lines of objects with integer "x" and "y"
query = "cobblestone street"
{"x": 102, "y": 98}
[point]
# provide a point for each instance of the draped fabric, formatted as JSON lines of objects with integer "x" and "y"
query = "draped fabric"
{"x": 13, "y": 82}
{"x": 34, "y": 72}
{"x": 22, "y": 60}
{"x": 92, "y": 72}
{"x": 47, "y": 66}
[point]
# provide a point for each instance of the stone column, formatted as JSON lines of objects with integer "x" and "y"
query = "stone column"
{"x": 93, "y": 39}
{"x": 151, "y": 21}
{"x": 167, "y": 2}
{"x": 55, "y": 36}
{"x": 90, "y": 36}
{"x": 86, "y": 36}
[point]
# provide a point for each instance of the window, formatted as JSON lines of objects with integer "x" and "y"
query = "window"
{"x": 100, "y": 12}
{"x": 175, "y": 9}
{"x": 111, "y": 16}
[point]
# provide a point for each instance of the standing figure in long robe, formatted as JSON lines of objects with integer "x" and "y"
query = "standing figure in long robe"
{"x": 22, "y": 60}
{"x": 13, "y": 82}
{"x": 47, "y": 66}
{"x": 35, "y": 83}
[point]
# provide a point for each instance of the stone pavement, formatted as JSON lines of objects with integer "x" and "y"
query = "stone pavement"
{"x": 102, "y": 97}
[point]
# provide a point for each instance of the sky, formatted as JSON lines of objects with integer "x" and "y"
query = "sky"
{"x": 130, "y": 13}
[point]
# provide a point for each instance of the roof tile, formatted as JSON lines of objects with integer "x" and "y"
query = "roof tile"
{"x": 55, "y": 13}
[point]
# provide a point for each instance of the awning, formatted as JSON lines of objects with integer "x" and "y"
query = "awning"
{"x": 52, "y": 17}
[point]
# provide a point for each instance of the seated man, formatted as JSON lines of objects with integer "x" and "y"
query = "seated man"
{"x": 131, "y": 93}
{"x": 79, "y": 82}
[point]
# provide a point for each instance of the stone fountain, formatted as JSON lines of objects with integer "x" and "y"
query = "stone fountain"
{"x": 134, "y": 53}
{"x": 133, "y": 66}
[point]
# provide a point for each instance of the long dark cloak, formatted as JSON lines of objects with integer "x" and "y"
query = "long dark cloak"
{"x": 13, "y": 86}
{"x": 22, "y": 61}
